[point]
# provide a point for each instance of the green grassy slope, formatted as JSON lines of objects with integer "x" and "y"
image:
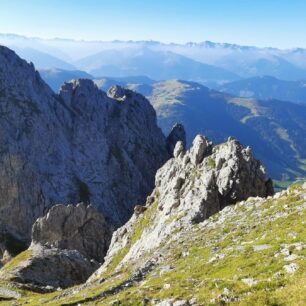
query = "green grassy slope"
{"x": 252, "y": 253}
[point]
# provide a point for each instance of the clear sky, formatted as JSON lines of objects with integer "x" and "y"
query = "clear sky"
{"x": 276, "y": 23}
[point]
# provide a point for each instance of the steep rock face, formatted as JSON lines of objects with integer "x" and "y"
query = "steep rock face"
{"x": 190, "y": 187}
{"x": 80, "y": 146}
{"x": 33, "y": 145}
{"x": 79, "y": 227}
{"x": 116, "y": 146}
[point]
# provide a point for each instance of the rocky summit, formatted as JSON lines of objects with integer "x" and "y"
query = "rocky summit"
{"x": 190, "y": 188}
{"x": 83, "y": 145}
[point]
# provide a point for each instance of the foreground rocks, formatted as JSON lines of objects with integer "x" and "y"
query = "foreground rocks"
{"x": 79, "y": 227}
{"x": 190, "y": 187}
{"x": 68, "y": 244}
{"x": 47, "y": 266}
{"x": 220, "y": 260}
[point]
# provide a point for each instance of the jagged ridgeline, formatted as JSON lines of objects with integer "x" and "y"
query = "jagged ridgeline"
{"x": 81, "y": 145}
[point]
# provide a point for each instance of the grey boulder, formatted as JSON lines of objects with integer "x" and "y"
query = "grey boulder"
{"x": 79, "y": 227}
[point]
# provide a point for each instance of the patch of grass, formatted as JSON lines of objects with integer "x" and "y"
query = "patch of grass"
{"x": 211, "y": 162}
{"x": 16, "y": 261}
{"x": 140, "y": 225}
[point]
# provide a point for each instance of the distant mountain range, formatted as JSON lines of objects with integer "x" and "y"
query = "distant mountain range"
{"x": 274, "y": 129}
{"x": 159, "y": 65}
{"x": 266, "y": 88}
{"x": 102, "y": 58}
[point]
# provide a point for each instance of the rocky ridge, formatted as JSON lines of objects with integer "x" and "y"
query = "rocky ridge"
{"x": 189, "y": 188}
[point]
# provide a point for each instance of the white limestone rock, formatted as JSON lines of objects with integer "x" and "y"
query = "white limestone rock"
{"x": 189, "y": 188}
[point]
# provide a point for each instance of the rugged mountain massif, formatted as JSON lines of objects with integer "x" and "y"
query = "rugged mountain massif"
{"x": 275, "y": 129}
{"x": 210, "y": 232}
{"x": 82, "y": 145}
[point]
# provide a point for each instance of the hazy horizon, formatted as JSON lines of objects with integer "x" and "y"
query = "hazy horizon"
{"x": 241, "y": 22}
{"x": 148, "y": 40}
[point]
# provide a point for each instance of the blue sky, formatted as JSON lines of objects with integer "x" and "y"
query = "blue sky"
{"x": 277, "y": 23}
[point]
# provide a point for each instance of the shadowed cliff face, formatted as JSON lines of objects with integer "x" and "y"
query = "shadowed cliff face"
{"x": 81, "y": 146}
